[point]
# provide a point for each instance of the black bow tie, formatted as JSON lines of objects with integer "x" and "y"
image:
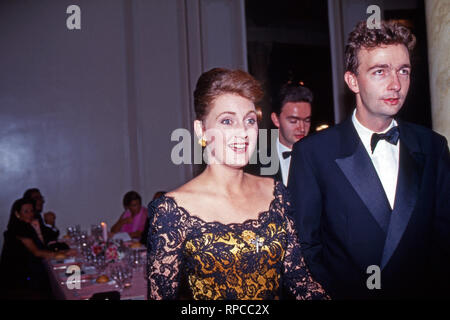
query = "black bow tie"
{"x": 391, "y": 136}
{"x": 286, "y": 154}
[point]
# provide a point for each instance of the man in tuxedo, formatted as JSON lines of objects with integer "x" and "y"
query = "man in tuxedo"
{"x": 292, "y": 116}
{"x": 371, "y": 194}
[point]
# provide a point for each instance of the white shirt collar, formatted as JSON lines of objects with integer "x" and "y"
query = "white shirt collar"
{"x": 281, "y": 147}
{"x": 365, "y": 133}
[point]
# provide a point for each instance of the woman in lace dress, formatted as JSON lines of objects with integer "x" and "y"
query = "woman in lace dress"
{"x": 226, "y": 234}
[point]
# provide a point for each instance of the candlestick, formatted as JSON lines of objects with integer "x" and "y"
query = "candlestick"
{"x": 105, "y": 231}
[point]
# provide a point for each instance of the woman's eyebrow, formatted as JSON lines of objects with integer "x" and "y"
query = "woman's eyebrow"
{"x": 234, "y": 113}
{"x": 226, "y": 112}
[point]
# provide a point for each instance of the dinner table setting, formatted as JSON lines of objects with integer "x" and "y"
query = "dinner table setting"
{"x": 102, "y": 266}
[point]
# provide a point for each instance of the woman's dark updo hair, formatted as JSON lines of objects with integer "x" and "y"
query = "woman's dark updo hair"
{"x": 129, "y": 197}
{"x": 16, "y": 207}
{"x": 219, "y": 81}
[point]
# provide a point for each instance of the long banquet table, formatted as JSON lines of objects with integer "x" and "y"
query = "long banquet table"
{"x": 88, "y": 284}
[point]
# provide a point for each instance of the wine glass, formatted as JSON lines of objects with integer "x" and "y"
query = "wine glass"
{"x": 96, "y": 232}
{"x": 134, "y": 259}
{"x": 122, "y": 275}
{"x": 99, "y": 262}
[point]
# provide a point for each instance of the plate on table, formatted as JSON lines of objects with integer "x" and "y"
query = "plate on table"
{"x": 134, "y": 245}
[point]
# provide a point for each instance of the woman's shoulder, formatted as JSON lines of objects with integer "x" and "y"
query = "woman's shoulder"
{"x": 167, "y": 215}
{"x": 177, "y": 198}
{"x": 169, "y": 203}
{"x": 21, "y": 229}
{"x": 185, "y": 191}
{"x": 266, "y": 184}
{"x": 188, "y": 194}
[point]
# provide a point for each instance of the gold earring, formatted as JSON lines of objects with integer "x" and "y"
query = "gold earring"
{"x": 202, "y": 142}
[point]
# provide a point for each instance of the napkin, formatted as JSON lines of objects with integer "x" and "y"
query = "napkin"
{"x": 121, "y": 236}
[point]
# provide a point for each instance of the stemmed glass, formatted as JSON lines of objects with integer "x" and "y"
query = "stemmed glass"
{"x": 122, "y": 275}
{"x": 134, "y": 259}
{"x": 99, "y": 262}
{"x": 74, "y": 233}
{"x": 137, "y": 260}
{"x": 96, "y": 232}
{"x": 83, "y": 241}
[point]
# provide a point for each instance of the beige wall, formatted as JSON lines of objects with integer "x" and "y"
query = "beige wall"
{"x": 438, "y": 31}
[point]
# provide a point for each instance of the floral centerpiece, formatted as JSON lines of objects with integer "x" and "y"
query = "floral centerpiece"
{"x": 109, "y": 249}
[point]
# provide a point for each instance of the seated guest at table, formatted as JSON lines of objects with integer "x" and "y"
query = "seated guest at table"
{"x": 47, "y": 225}
{"x": 133, "y": 219}
{"x": 226, "y": 234}
{"x": 144, "y": 234}
{"x": 22, "y": 272}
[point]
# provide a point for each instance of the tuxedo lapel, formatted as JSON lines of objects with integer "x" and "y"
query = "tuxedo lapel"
{"x": 357, "y": 167}
{"x": 408, "y": 185}
{"x": 362, "y": 176}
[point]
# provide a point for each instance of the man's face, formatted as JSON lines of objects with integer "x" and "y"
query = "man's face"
{"x": 36, "y": 196}
{"x": 293, "y": 122}
{"x": 382, "y": 82}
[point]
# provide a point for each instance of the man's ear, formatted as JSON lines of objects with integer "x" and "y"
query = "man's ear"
{"x": 275, "y": 119}
{"x": 198, "y": 128}
{"x": 352, "y": 82}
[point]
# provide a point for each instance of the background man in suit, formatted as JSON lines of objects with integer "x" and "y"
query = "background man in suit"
{"x": 50, "y": 232}
{"x": 292, "y": 116}
{"x": 371, "y": 195}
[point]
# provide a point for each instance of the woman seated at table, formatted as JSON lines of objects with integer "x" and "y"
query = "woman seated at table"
{"x": 22, "y": 272}
{"x": 133, "y": 219}
{"x": 226, "y": 234}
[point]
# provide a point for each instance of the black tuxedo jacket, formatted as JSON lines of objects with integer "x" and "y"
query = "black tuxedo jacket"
{"x": 345, "y": 223}
{"x": 48, "y": 234}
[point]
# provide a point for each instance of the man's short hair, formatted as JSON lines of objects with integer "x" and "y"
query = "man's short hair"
{"x": 291, "y": 93}
{"x": 29, "y": 193}
{"x": 389, "y": 33}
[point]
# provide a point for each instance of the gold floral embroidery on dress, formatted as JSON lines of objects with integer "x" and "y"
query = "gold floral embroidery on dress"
{"x": 246, "y": 263}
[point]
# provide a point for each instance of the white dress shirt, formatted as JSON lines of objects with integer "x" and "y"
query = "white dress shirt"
{"x": 284, "y": 163}
{"x": 385, "y": 157}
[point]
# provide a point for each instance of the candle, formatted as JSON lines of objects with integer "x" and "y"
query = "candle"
{"x": 105, "y": 231}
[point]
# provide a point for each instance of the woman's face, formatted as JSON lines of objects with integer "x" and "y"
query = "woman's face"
{"x": 26, "y": 213}
{"x": 231, "y": 130}
{"x": 135, "y": 206}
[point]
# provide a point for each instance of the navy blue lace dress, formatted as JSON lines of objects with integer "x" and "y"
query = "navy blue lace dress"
{"x": 250, "y": 260}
